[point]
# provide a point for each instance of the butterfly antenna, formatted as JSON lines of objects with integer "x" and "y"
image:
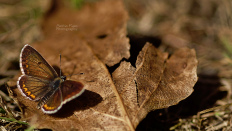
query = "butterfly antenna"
{"x": 75, "y": 74}
{"x": 60, "y": 64}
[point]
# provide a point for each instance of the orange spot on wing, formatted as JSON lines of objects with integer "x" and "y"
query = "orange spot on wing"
{"x": 28, "y": 93}
{"x": 32, "y": 96}
{"x": 48, "y": 107}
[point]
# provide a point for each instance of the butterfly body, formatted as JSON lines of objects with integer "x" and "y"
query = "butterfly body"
{"x": 56, "y": 82}
{"x": 40, "y": 82}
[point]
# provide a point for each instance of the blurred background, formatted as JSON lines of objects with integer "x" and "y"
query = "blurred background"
{"x": 205, "y": 25}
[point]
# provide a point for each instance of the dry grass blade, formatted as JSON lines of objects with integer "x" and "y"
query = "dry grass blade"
{"x": 219, "y": 117}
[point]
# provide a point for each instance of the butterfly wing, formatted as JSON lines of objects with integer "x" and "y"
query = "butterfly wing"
{"x": 33, "y": 87}
{"x": 66, "y": 92}
{"x": 71, "y": 89}
{"x": 33, "y": 64}
{"x": 51, "y": 102}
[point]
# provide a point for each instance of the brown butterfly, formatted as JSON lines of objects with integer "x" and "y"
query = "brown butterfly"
{"x": 40, "y": 82}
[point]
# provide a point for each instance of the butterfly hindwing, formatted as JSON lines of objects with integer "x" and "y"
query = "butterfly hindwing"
{"x": 68, "y": 91}
{"x": 33, "y": 64}
{"x": 53, "y": 103}
{"x": 33, "y": 87}
{"x": 71, "y": 89}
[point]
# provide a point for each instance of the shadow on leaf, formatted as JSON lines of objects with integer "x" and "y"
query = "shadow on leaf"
{"x": 86, "y": 100}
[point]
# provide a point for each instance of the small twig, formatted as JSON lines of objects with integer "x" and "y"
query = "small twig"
{"x": 217, "y": 127}
{"x": 11, "y": 95}
{"x": 177, "y": 125}
{"x": 213, "y": 108}
{"x": 8, "y": 111}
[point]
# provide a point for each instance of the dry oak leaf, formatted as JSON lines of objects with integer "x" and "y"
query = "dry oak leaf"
{"x": 102, "y": 25}
{"x": 108, "y": 105}
{"x": 156, "y": 82}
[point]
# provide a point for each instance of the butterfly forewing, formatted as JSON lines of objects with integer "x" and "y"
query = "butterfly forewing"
{"x": 33, "y": 64}
{"x": 33, "y": 87}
